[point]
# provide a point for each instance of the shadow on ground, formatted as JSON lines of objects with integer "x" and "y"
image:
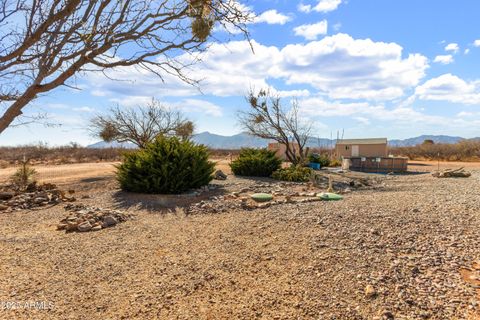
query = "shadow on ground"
{"x": 162, "y": 203}
{"x": 96, "y": 179}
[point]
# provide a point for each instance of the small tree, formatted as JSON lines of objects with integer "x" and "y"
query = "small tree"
{"x": 268, "y": 119}
{"x": 24, "y": 175}
{"x": 256, "y": 163}
{"x": 140, "y": 125}
{"x": 167, "y": 165}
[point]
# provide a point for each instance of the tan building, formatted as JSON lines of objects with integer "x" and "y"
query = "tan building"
{"x": 361, "y": 148}
{"x": 281, "y": 149}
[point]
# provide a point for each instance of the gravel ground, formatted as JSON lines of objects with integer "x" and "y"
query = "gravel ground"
{"x": 389, "y": 253}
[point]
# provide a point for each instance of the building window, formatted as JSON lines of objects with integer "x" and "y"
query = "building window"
{"x": 347, "y": 147}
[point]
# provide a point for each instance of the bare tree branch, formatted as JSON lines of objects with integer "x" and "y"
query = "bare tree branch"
{"x": 60, "y": 38}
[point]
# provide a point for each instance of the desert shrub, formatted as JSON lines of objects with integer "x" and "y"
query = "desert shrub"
{"x": 167, "y": 165}
{"x": 3, "y": 164}
{"x": 256, "y": 163}
{"x": 465, "y": 150}
{"x": 323, "y": 159}
{"x": 42, "y": 153}
{"x": 24, "y": 176}
{"x": 293, "y": 174}
{"x": 335, "y": 163}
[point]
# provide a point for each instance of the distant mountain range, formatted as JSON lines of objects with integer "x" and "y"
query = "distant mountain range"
{"x": 113, "y": 144}
{"x": 420, "y": 139}
{"x": 243, "y": 140}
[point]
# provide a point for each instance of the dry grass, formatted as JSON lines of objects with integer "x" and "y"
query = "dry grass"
{"x": 461, "y": 151}
{"x": 43, "y": 154}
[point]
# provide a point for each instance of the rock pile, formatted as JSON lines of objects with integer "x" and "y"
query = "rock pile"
{"x": 35, "y": 196}
{"x": 84, "y": 218}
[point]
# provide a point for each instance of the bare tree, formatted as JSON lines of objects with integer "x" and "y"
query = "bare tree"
{"x": 44, "y": 43}
{"x": 140, "y": 125}
{"x": 268, "y": 119}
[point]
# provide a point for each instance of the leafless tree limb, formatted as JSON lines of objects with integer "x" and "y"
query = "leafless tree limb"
{"x": 44, "y": 43}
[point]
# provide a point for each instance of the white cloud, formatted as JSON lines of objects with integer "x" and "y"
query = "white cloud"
{"x": 452, "y": 47}
{"x": 476, "y": 43}
{"x": 304, "y": 8}
{"x": 195, "y": 105}
{"x": 344, "y": 67}
{"x": 272, "y": 17}
{"x": 467, "y": 51}
{"x": 185, "y": 105}
{"x": 56, "y": 106}
{"x": 290, "y": 93}
{"x": 312, "y": 31}
{"x": 132, "y": 100}
{"x": 337, "y": 27}
{"x": 450, "y": 88}
{"x": 84, "y": 109}
{"x": 363, "y": 112}
{"x": 98, "y": 93}
{"x": 463, "y": 114}
{"x": 338, "y": 66}
{"x": 362, "y": 120}
{"x": 321, "y": 6}
{"x": 445, "y": 59}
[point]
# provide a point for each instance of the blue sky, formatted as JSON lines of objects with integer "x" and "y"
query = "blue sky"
{"x": 372, "y": 68}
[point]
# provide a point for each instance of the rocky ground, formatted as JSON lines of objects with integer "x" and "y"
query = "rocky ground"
{"x": 405, "y": 247}
{"x": 33, "y": 197}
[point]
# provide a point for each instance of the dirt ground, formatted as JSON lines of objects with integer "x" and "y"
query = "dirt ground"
{"x": 408, "y": 250}
{"x": 65, "y": 173}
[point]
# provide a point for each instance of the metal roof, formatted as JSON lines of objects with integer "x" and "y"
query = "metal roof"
{"x": 363, "y": 141}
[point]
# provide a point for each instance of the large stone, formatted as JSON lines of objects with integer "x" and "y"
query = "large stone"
{"x": 109, "y": 221}
{"x": 264, "y": 205}
{"x": 97, "y": 228}
{"x": 84, "y": 226}
{"x": 62, "y": 226}
{"x": 219, "y": 175}
{"x": 40, "y": 200}
{"x": 370, "y": 291}
{"x": 71, "y": 226}
{"x": 3, "y": 207}
{"x": 6, "y": 195}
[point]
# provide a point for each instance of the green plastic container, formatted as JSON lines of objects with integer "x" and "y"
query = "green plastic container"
{"x": 262, "y": 197}
{"x": 327, "y": 196}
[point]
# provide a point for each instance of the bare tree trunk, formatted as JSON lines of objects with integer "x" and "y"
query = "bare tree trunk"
{"x": 15, "y": 109}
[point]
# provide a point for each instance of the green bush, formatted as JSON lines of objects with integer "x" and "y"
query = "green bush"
{"x": 323, "y": 159}
{"x": 256, "y": 163}
{"x": 293, "y": 174}
{"x": 167, "y": 165}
